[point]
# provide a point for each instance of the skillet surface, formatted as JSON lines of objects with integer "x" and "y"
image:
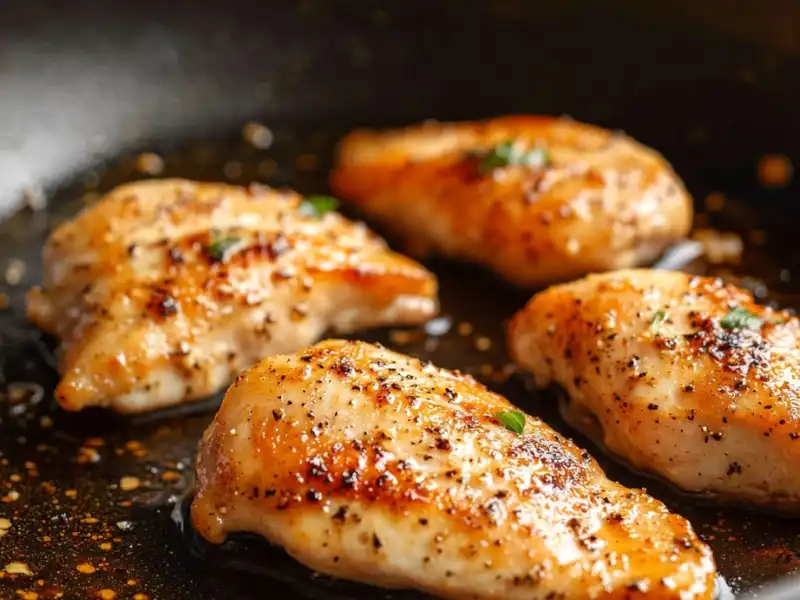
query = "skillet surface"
{"x": 61, "y": 475}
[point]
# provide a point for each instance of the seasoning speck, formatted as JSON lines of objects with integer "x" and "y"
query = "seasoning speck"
{"x": 86, "y": 568}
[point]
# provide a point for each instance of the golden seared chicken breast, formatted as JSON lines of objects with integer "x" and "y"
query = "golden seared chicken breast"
{"x": 536, "y": 199}
{"x": 369, "y": 465}
{"x": 163, "y": 291}
{"x": 681, "y": 376}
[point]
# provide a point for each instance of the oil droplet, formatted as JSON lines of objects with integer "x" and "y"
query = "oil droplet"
{"x": 18, "y": 568}
{"x": 128, "y": 483}
{"x": 86, "y": 568}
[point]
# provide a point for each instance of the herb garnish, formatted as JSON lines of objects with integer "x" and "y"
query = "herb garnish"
{"x": 316, "y": 206}
{"x": 514, "y": 420}
{"x": 219, "y": 248}
{"x": 738, "y": 318}
{"x": 658, "y": 318}
{"x": 510, "y": 153}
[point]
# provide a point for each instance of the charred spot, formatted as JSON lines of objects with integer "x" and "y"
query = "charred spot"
{"x": 734, "y": 468}
{"x": 794, "y": 436}
{"x": 376, "y": 542}
{"x": 313, "y": 495}
{"x": 277, "y": 414}
{"x": 450, "y": 394}
{"x": 163, "y": 304}
{"x": 652, "y": 406}
{"x": 350, "y": 478}
{"x": 176, "y": 255}
{"x": 688, "y": 388}
{"x": 443, "y": 444}
{"x": 340, "y": 514}
{"x": 343, "y": 367}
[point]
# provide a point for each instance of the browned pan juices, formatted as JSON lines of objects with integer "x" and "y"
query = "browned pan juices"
{"x": 86, "y": 499}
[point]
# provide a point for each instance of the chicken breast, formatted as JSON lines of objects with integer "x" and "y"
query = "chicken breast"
{"x": 536, "y": 199}
{"x": 682, "y": 376}
{"x": 163, "y": 291}
{"x": 369, "y": 465}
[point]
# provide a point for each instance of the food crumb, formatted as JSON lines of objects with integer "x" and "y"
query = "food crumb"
{"x": 257, "y": 135}
{"x": 106, "y": 594}
{"x": 140, "y": 596}
{"x": 27, "y": 595}
{"x": 15, "y": 271}
{"x": 129, "y": 483}
{"x": 131, "y": 582}
{"x": 775, "y": 170}
{"x": 18, "y": 568}
{"x": 106, "y": 546}
{"x": 124, "y": 525}
{"x": 149, "y": 163}
{"x": 71, "y": 493}
{"x": 171, "y": 476}
{"x": 86, "y": 568}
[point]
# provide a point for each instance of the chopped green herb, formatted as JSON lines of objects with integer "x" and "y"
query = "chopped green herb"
{"x": 316, "y": 206}
{"x": 658, "y": 318}
{"x": 738, "y": 318}
{"x": 514, "y": 420}
{"x": 510, "y": 153}
{"x": 219, "y": 248}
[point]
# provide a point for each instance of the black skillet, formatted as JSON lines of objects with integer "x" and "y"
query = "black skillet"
{"x": 86, "y": 86}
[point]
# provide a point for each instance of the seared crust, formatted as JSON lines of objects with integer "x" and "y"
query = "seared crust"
{"x": 604, "y": 201}
{"x": 366, "y": 464}
{"x": 679, "y": 387}
{"x": 165, "y": 289}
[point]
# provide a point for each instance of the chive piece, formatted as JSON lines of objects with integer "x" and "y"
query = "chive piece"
{"x": 658, "y": 318}
{"x": 513, "y": 420}
{"x": 219, "y": 248}
{"x": 316, "y": 206}
{"x": 509, "y": 153}
{"x": 738, "y": 318}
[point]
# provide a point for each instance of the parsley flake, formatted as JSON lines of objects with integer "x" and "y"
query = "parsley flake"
{"x": 219, "y": 248}
{"x": 510, "y": 153}
{"x": 740, "y": 318}
{"x": 658, "y": 318}
{"x": 316, "y": 206}
{"x": 513, "y": 420}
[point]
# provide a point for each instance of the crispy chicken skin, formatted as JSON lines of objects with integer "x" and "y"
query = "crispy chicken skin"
{"x": 163, "y": 291}
{"x": 369, "y": 465}
{"x": 686, "y": 377}
{"x": 603, "y": 202}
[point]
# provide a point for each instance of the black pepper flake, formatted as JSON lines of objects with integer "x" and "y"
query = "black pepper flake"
{"x": 341, "y": 514}
{"x": 313, "y": 495}
{"x": 376, "y": 542}
{"x": 652, "y": 406}
{"x": 277, "y": 414}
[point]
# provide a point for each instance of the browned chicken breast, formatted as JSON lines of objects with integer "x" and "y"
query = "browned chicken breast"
{"x": 166, "y": 289}
{"x": 682, "y": 376}
{"x": 369, "y": 465}
{"x": 536, "y": 199}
